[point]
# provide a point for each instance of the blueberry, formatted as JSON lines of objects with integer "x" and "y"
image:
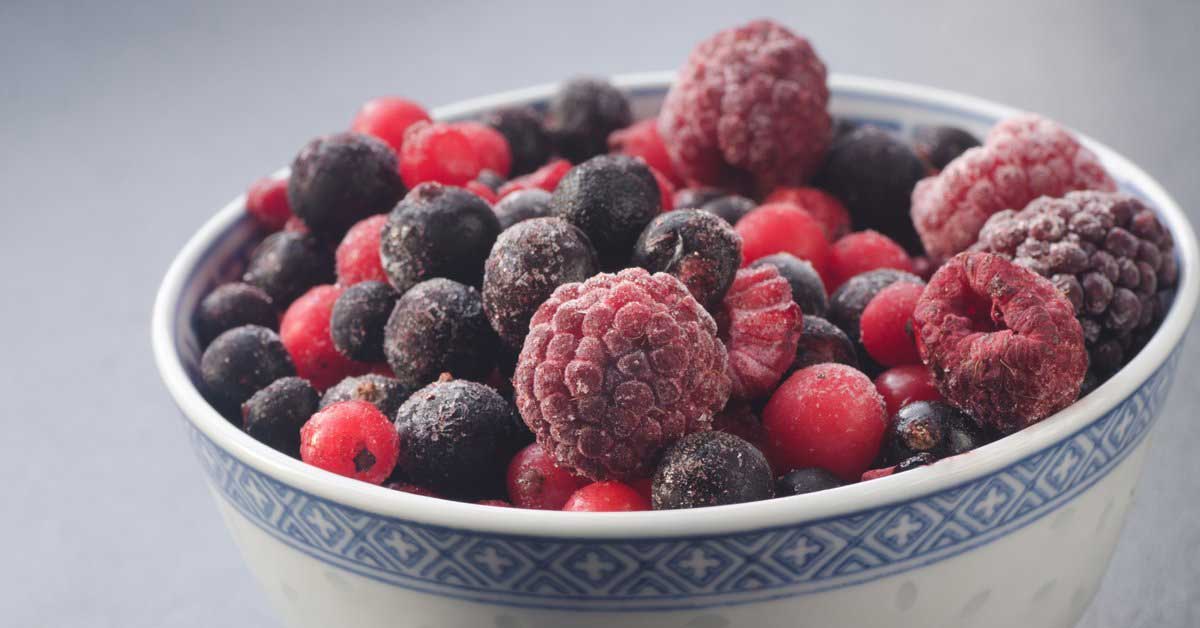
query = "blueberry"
{"x": 696, "y": 247}
{"x": 439, "y": 327}
{"x": 711, "y": 469}
{"x": 611, "y": 198}
{"x": 523, "y": 205}
{"x": 695, "y": 198}
{"x": 287, "y": 264}
{"x": 847, "y": 303}
{"x": 808, "y": 291}
{"x": 242, "y": 361}
{"x": 358, "y": 318}
{"x": 387, "y": 393}
{"x": 490, "y": 179}
{"x": 803, "y": 481}
{"x": 233, "y": 305}
{"x": 527, "y": 139}
{"x": 821, "y": 342}
{"x": 934, "y": 428}
{"x": 338, "y": 180}
{"x": 940, "y": 145}
{"x": 582, "y": 114}
{"x": 730, "y": 207}
{"x": 275, "y": 414}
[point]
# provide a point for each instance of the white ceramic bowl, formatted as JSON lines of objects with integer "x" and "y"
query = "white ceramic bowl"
{"x": 1015, "y": 533}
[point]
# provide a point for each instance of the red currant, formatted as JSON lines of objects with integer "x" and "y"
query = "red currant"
{"x": 905, "y": 384}
{"x": 610, "y": 496}
{"x": 267, "y": 201}
{"x": 388, "y": 118}
{"x": 536, "y": 481}
{"x": 351, "y": 438}
{"x": 886, "y": 324}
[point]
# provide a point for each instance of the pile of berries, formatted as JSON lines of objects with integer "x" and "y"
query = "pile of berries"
{"x": 573, "y": 310}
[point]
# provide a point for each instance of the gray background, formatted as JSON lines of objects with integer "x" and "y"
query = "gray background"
{"x": 124, "y": 125}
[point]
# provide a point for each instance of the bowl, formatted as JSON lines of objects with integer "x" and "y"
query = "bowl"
{"x": 1018, "y": 532}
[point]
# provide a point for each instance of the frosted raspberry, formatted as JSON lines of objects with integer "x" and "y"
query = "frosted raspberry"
{"x": 748, "y": 110}
{"x": 761, "y": 327}
{"x": 1002, "y": 342}
{"x": 617, "y": 368}
{"x": 1024, "y": 157}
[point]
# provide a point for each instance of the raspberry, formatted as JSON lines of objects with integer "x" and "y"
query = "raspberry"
{"x": 267, "y": 202}
{"x": 611, "y": 198}
{"x": 666, "y": 191}
{"x": 535, "y": 481}
{"x": 847, "y": 303}
{"x": 351, "y": 438}
{"x": 616, "y": 369}
{"x": 387, "y": 118}
{"x": 695, "y": 247}
{"x": 437, "y": 327}
{"x": 828, "y": 211}
{"x": 783, "y": 228}
{"x": 482, "y": 191}
{"x": 337, "y": 180}
{"x": 233, "y": 305}
{"x": 886, "y": 325}
{"x": 357, "y": 256}
{"x": 490, "y": 147}
{"x": 1107, "y": 253}
{"x": 711, "y": 469}
{"x": 739, "y": 419}
{"x": 581, "y": 116}
{"x": 386, "y": 393}
{"x": 863, "y": 251}
{"x": 804, "y": 481}
{"x": 641, "y": 139}
{"x": 929, "y": 427}
{"x": 905, "y": 384}
{"x": 748, "y": 110}
{"x": 528, "y": 142}
{"x": 275, "y": 414}
{"x": 821, "y": 342}
{"x": 761, "y": 326}
{"x": 1022, "y": 158}
{"x": 937, "y": 146}
{"x": 610, "y": 496}
{"x": 242, "y": 361}
{"x": 544, "y": 178}
{"x": 287, "y": 264}
{"x": 1002, "y": 342}
{"x": 359, "y": 315}
{"x": 828, "y": 416}
{"x": 523, "y": 205}
{"x": 438, "y": 152}
{"x": 305, "y": 332}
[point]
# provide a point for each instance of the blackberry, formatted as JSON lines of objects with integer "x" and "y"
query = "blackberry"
{"x": 847, "y": 303}
{"x": 526, "y": 264}
{"x": 582, "y": 115}
{"x": 611, "y": 198}
{"x": 1106, "y": 252}
{"x": 698, "y": 248}
{"x": 527, "y": 139}
{"x": 437, "y": 231}
{"x": 452, "y": 436}
{"x": 874, "y": 174}
{"x": 523, "y": 205}
{"x": 929, "y": 427}
{"x": 711, "y": 469}
{"x": 287, "y": 264}
{"x": 821, "y": 342}
{"x": 233, "y": 305}
{"x": 940, "y": 145}
{"x": 439, "y": 327}
{"x": 387, "y": 393}
{"x": 730, "y": 207}
{"x": 338, "y": 180}
{"x": 275, "y": 414}
{"x": 242, "y": 361}
{"x": 358, "y": 318}
{"x": 802, "y": 481}
{"x": 695, "y": 198}
{"x": 808, "y": 291}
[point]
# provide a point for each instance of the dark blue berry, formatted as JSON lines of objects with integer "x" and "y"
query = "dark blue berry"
{"x": 275, "y": 414}
{"x": 523, "y": 205}
{"x": 527, "y": 139}
{"x": 439, "y": 327}
{"x": 711, "y": 469}
{"x": 802, "y": 481}
{"x": 929, "y": 427}
{"x": 696, "y": 247}
{"x": 822, "y": 342}
{"x": 695, "y": 198}
{"x": 242, "y": 361}
{"x": 358, "y": 319}
{"x": 582, "y": 115}
{"x": 490, "y": 179}
{"x": 233, "y": 305}
{"x": 287, "y": 264}
{"x": 940, "y": 145}
{"x": 729, "y": 207}
{"x": 808, "y": 291}
{"x": 338, "y": 180}
{"x": 386, "y": 393}
{"x": 847, "y": 303}
{"x": 611, "y": 198}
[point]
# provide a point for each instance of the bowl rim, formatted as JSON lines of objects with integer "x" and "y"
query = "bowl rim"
{"x": 738, "y": 518}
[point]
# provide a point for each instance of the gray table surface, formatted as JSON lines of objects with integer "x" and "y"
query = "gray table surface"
{"x": 124, "y": 125}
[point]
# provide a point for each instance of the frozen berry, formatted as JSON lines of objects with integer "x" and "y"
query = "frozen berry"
{"x": 387, "y": 393}
{"x": 730, "y": 207}
{"x": 439, "y": 327}
{"x": 528, "y": 142}
{"x": 242, "y": 361}
{"x": 828, "y": 416}
{"x": 929, "y": 427}
{"x": 287, "y": 264}
{"x": 359, "y": 316}
{"x": 351, "y": 438}
{"x": 411, "y": 489}
{"x": 641, "y": 139}
{"x": 453, "y": 434}
{"x": 748, "y": 110}
{"x": 305, "y": 332}
{"x": 233, "y": 305}
{"x": 275, "y": 414}
{"x": 821, "y": 342}
{"x": 808, "y": 291}
{"x": 738, "y": 418}
{"x": 873, "y": 173}
{"x": 491, "y": 149}
{"x": 886, "y": 325}
{"x": 666, "y": 191}
{"x": 544, "y": 178}
{"x": 905, "y": 384}
{"x": 711, "y": 469}
{"x": 295, "y": 225}
{"x": 937, "y": 146}
{"x": 438, "y": 152}
{"x": 611, "y": 198}
{"x": 920, "y": 460}
{"x": 761, "y": 326}
{"x": 696, "y": 247}
{"x": 828, "y": 211}
{"x": 267, "y": 202}
{"x": 610, "y": 496}
{"x": 337, "y": 180}
{"x": 923, "y": 267}
{"x": 387, "y": 118}
{"x": 495, "y": 503}
{"x": 437, "y": 231}
{"x": 864, "y": 251}
{"x": 523, "y": 205}
{"x": 803, "y": 481}
{"x": 482, "y": 191}
{"x": 616, "y": 369}
{"x": 582, "y": 114}
{"x": 1023, "y": 157}
{"x": 525, "y": 266}
{"x": 491, "y": 181}
{"x": 357, "y": 256}
{"x": 696, "y": 198}
{"x": 536, "y": 481}
{"x": 847, "y": 303}
{"x": 1002, "y": 342}
{"x": 783, "y": 228}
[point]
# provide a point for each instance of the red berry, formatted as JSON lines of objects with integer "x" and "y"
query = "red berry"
{"x": 903, "y": 385}
{"x": 267, "y": 201}
{"x": 641, "y": 139}
{"x": 490, "y": 146}
{"x": 536, "y": 481}
{"x": 305, "y": 332}
{"x": 482, "y": 191}
{"x": 498, "y": 503}
{"x": 388, "y": 118}
{"x": 351, "y": 438}
{"x": 760, "y": 325}
{"x": 828, "y": 416}
{"x": 644, "y": 487}
{"x": 666, "y": 190}
{"x": 404, "y": 487}
{"x": 875, "y": 474}
{"x": 358, "y": 253}
{"x": 610, "y": 496}
{"x": 434, "y": 151}
{"x": 544, "y": 178}
{"x": 862, "y": 251}
{"x": 783, "y": 228}
{"x": 823, "y": 206}
{"x": 886, "y": 325}
{"x": 295, "y": 225}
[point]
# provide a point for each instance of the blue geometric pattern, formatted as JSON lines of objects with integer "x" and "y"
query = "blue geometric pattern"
{"x": 693, "y": 572}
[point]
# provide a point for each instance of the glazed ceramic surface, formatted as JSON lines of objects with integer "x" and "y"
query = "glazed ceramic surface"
{"x": 1016, "y": 533}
